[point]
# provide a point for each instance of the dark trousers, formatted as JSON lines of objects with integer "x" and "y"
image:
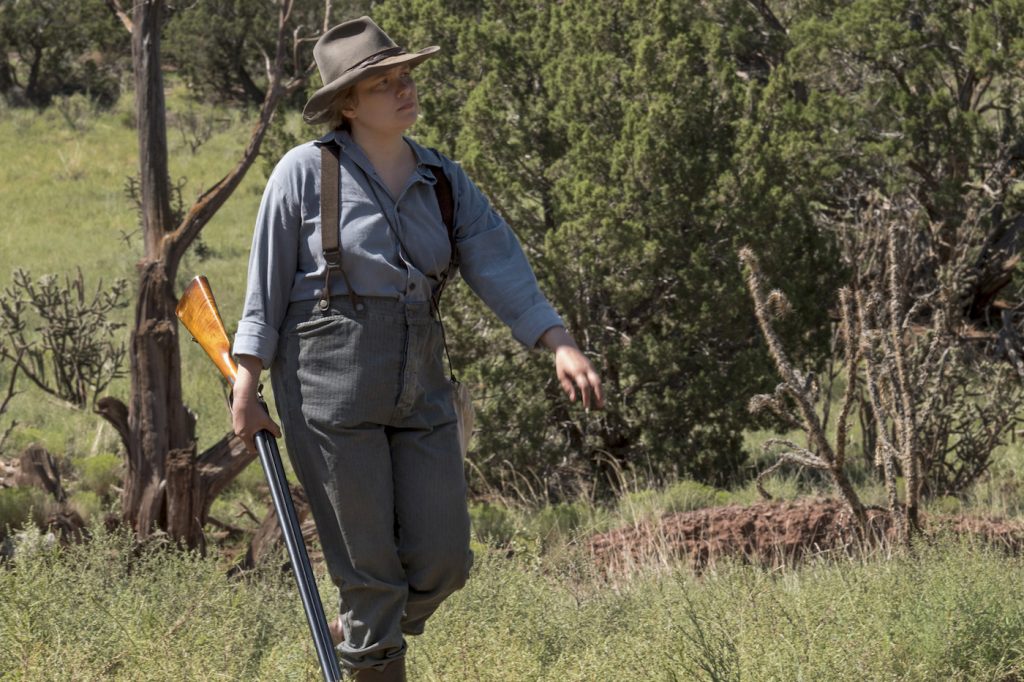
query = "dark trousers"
{"x": 371, "y": 432}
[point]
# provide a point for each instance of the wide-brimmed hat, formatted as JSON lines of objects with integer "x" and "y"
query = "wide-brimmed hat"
{"x": 350, "y": 52}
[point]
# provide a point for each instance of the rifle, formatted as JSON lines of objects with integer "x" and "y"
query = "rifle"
{"x": 197, "y": 310}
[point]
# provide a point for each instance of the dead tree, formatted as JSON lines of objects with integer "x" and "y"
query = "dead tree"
{"x": 939, "y": 392}
{"x": 167, "y": 485}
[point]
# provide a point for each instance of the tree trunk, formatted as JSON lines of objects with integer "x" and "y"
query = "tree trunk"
{"x": 166, "y": 485}
{"x": 159, "y": 426}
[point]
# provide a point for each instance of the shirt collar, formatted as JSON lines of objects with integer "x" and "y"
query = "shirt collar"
{"x": 424, "y": 157}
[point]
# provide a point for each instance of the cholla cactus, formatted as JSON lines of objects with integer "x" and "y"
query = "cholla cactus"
{"x": 6, "y": 401}
{"x": 801, "y": 390}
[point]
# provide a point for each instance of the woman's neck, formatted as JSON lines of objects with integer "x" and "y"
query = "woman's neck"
{"x": 384, "y": 150}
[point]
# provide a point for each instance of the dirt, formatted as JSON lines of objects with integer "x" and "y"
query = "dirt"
{"x": 773, "y": 534}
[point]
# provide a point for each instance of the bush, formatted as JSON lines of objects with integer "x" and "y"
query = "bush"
{"x": 99, "y": 473}
{"x": 15, "y": 506}
{"x": 492, "y": 524}
{"x": 630, "y": 196}
{"x": 681, "y": 496}
{"x": 557, "y": 523}
{"x": 689, "y": 495}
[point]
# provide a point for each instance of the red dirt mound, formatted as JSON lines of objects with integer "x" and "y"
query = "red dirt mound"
{"x": 769, "y": 533}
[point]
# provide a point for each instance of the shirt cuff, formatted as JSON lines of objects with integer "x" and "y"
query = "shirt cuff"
{"x": 256, "y": 338}
{"x": 537, "y": 319}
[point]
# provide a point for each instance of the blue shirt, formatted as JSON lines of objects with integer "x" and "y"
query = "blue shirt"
{"x": 286, "y": 263}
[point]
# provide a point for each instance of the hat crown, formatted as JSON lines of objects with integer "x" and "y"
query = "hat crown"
{"x": 347, "y": 45}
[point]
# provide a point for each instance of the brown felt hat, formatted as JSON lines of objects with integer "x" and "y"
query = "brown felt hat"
{"x": 350, "y": 52}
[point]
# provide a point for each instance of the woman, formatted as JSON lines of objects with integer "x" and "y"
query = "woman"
{"x": 355, "y": 352}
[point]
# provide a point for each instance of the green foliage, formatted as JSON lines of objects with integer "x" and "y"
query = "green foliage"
{"x": 98, "y": 473}
{"x": 632, "y": 147}
{"x": 555, "y": 524}
{"x": 923, "y": 98}
{"x": 16, "y": 507}
{"x": 631, "y": 157}
{"x": 125, "y": 612}
{"x": 219, "y": 46}
{"x": 493, "y": 524}
{"x": 681, "y": 496}
{"x": 89, "y": 506}
{"x": 60, "y": 47}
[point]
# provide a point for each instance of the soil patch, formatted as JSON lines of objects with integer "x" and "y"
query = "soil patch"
{"x": 772, "y": 534}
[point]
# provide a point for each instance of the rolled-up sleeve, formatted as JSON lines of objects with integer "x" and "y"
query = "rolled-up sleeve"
{"x": 272, "y": 265}
{"x": 492, "y": 262}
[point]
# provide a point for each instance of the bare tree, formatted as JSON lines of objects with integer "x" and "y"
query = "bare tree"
{"x": 167, "y": 485}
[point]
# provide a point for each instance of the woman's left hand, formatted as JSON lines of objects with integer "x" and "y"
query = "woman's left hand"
{"x": 574, "y": 369}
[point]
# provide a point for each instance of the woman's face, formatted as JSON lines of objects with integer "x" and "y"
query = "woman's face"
{"x": 386, "y": 102}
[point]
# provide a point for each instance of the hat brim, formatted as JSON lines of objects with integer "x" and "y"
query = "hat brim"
{"x": 317, "y": 109}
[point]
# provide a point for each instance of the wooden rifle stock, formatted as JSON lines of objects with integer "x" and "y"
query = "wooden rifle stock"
{"x": 197, "y": 310}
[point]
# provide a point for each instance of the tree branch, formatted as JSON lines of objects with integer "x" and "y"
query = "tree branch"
{"x": 115, "y": 7}
{"x": 196, "y": 218}
{"x": 220, "y": 464}
{"x": 768, "y": 15}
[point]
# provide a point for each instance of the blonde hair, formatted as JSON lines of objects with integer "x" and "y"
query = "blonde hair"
{"x": 346, "y": 99}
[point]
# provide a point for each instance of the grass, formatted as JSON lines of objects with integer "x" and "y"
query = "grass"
{"x": 110, "y": 610}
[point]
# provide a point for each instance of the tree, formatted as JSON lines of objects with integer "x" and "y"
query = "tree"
{"x": 921, "y": 103}
{"x": 923, "y": 98}
{"x": 631, "y": 147}
{"x": 220, "y": 47}
{"x": 58, "y": 47}
{"x": 167, "y": 485}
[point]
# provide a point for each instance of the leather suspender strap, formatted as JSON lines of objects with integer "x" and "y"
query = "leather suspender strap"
{"x": 330, "y": 223}
{"x": 445, "y": 202}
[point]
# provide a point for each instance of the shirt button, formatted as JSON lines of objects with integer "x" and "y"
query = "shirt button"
{"x": 412, "y": 285}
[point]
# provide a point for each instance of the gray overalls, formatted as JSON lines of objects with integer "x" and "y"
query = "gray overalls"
{"x": 368, "y": 420}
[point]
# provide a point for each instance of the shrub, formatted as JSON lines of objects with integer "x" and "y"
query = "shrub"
{"x": 15, "y": 506}
{"x": 492, "y": 524}
{"x": 689, "y": 495}
{"x": 99, "y": 473}
{"x": 557, "y": 523}
{"x": 18, "y": 505}
{"x": 681, "y": 496}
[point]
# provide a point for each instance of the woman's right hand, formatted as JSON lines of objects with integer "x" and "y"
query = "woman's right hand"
{"x": 248, "y": 416}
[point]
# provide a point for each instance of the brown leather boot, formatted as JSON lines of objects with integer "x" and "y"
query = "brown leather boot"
{"x": 392, "y": 672}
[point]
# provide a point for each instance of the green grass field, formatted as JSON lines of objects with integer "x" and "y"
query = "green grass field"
{"x": 946, "y": 612}
{"x": 535, "y": 607}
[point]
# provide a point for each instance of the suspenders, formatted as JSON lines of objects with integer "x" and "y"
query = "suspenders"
{"x": 330, "y": 187}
